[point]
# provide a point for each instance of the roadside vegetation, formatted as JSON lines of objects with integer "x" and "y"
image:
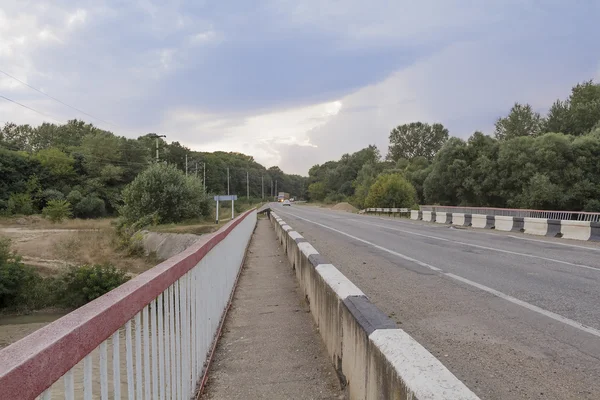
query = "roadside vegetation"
{"x": 529, "y": 161}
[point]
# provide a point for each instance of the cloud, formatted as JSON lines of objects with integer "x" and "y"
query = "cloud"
{"x": 292, "y": 83}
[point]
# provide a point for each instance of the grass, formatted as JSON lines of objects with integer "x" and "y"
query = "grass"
{"x": 38, "y": 222}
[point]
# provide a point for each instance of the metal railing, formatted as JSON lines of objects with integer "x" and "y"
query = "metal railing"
{"x": 515, "y": 212}
{"x": 147, "y": 339}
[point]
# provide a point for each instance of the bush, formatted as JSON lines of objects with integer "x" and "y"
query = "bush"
{"x": 50, "y": 194}
{"x": 57, "y": 210}
{"x": 74, "y": 197}
{"x": 89, "y": 206}
{"x": 80, "y": 285}
{"x": 20, "y": 203}
{"x": 166, "y": 192}
{"x": 15, "y": 277}
{"x": 391, "y": 190}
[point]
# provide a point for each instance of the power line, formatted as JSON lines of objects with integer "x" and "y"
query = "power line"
{"x": 57, "y": 100}
{"x": 29, "y": 108}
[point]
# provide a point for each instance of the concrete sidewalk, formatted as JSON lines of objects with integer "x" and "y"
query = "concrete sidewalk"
{"x": 270, "y": 347}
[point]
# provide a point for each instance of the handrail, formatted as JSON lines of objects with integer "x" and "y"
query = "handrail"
{"x": 34, "y": 363}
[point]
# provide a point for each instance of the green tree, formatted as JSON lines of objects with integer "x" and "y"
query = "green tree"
{"x": 416, "y": 139}
{"x": 164, "y": 191}
{"x": 58, "y": 163}
{"x": 521, "y": 121}
{"x": 391, "y": 190}
{"x": 316, "y": 191}
{"x": 363, "y": 182}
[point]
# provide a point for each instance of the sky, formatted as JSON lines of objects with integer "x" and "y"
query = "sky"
{"x": 292, "y": 83}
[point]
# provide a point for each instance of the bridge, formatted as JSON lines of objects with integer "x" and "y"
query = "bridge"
{"x": 423, "y": 309}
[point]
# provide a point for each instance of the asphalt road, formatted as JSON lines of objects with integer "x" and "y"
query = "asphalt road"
{"x": 512, "y": 316}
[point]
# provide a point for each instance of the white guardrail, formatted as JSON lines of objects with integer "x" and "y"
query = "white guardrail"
{"x": 147, "y": 339}
{"x": 515, "y": 212}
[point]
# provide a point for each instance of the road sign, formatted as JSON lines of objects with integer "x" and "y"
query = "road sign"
{"x": 226, "y": 197}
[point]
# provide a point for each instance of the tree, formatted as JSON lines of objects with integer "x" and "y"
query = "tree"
{"x": 58, "y": 163}
{"x": 391, "y": 190}
{"x": 584, "y": 107}
{"x": 363, "y": 182}
{"x": 521, "y": 121}
{"x": 317, "y": 191}
{"x": 416, "y": 139}
{"x": 165, "y": 192}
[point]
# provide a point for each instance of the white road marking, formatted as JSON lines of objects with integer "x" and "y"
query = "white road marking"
{"x": 482, "y": 247}
{"x": 514, "y": 300}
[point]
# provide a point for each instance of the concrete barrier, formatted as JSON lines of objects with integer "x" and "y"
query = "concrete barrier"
{"x": 478, "y": 221}
{"x": 503, "y": 223}
{"x": 518, "y": 224}
{"x": 374, "y": 359}
{"x": 595, "y": 227}
{"x": 554, "y": 226}
{"x": 414, "y": 214}
{"x": 458, "y": 219}
{"x": 577, "y": 230}
{"x": 443, "y": 218}
{"x": 535, "y": 226}
{"x": 428, "y": 216}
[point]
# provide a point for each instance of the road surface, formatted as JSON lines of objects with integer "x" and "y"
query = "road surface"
{"x": 512, "y": 316}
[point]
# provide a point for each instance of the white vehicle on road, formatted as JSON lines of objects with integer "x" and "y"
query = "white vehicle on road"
{"x": 286, "y": 203}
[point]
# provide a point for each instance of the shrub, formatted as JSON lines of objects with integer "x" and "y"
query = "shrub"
{"x": 20, "y": 203}
{"x": 57, "y": 210}
{"x": 89, "y": 206}
{"x": 80, "y": 285}
{"x": 166, "y": 192}
{"x": 50, "y": 194}
{"x": 14, "y": 276}
{"x": 74, "y": 197}
{"x": 391, "y": 190}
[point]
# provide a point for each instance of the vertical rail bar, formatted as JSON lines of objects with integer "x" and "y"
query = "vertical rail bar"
{"x": 178, "y": 380}
{"x": 168, "y": 315}
{"x": 153, "y": 315}
{"x": 161, "y": 346}
{"x": 173, "y": 357}
{"x": 193, "y": 324}
{"x": 69, "y": 385}
{"x": 138, "y": 356}
{"x": 116, "y": 365}
{"x": 184, "y": 330}
{"x": 146, "y": 329}
{"x": 87, "y": 377}
{"x": 104, "y": 370}
{"x": 129, "y": 360}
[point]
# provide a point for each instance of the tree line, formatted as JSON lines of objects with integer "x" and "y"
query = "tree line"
{"x": 529, "y": 161}
{"x": 89, "y": 167}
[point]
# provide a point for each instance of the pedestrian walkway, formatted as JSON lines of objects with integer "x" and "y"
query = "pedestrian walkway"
{"x": 270, "y": 348}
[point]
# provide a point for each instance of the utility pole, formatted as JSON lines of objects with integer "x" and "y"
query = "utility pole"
{"x": 204, "y": 176}
{"x": 262, "y": 187}
{"x": 247, "y": 186}
{"x": 186, "y": 164}
{"x": 156, "y": 136}
{"x": 276, "y": 193}
{"x": 196, "y": 162}
{"x": 227, "y": 181}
